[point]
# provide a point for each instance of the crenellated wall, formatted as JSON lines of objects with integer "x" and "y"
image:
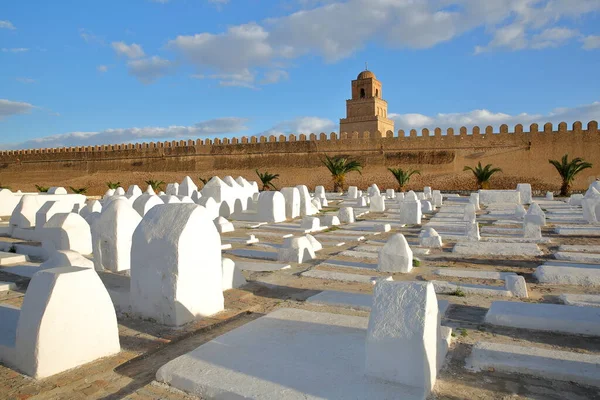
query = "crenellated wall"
{"x": 519, "y": 153}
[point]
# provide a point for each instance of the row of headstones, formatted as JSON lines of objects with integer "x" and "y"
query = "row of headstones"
{"x": 533, "y": 218}
{"x": 106, "y": 231}
{"x": 177, "y": 274}
{"x": 590, "y": 203}
{"x": 411, "y": 205}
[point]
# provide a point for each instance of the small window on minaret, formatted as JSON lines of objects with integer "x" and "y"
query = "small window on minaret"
{"x": 362, "y": 93}
{"x": 376, "y": 92}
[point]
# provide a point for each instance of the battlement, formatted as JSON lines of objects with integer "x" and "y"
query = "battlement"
{"x": 436, "y": 138}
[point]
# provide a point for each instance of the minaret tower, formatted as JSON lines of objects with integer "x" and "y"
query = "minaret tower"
{"x": 366, "y": 111}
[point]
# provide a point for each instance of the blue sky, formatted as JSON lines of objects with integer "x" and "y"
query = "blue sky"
{"x": 114, "y": 71}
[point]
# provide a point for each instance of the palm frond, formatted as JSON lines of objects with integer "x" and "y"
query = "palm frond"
{"x": 267, "y": 179}
{"x": 82, "y": 190}
{"x": 155, "y": 184}
{"x": 113, "y": 185}
{"x": 482, "y": 174}
{"x": 568, "y": 170}
{"x": 403, "y": 176}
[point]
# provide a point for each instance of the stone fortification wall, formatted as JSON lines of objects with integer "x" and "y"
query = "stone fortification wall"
{"x": 519, "y": 153}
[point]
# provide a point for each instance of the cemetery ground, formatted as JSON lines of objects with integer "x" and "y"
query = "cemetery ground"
{"x": 146, "y": 346}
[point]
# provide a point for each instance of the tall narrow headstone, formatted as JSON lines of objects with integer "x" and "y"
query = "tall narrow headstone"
{"x": 403, "y": 337}
{"x": 176, "y": 270}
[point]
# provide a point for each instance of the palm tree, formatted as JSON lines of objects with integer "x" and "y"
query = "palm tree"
{"x": 403, "y": 176}
{"x": 82, "y": 190}
{"x": 155, "y": 184}
{"x": 339, "y": 166}
{"x": 568, "y": 170}
{"x": 483, "y": 174}
{"x": 205, "y": 181}
{"x": 113, "y": 185}
{"x": 267, "y": 179}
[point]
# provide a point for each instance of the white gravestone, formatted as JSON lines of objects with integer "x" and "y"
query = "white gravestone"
{"x": 320, "y": 192}
{"x": 352, "y": 192}
{"x": 187, "y": 187}
{"x": 223, "y": 226}
{"x": 396, "y": 255}
{"x": 66, "y": 258}
{"x": 67, "y": 232}
{"x": 474, "y": 199}
{"x": 429, "y": 237}
{"x": 525, "y": 190}
{"x": 306, "y": 207}
{"x": 346, "y": 215}
{"x": 410, "y": 210}
{"x": 377, "y": 203}
{"x": 232, "y": 276}
{"x": 111, "y": 236}
{"x": 145, "y": 202}
{"x": 403, "y": 337}
{"x": 67, "y": 319}
{"x": 176, "y": 266}
{"x": 296, "y": 249}
{"x": 292, "y": 202}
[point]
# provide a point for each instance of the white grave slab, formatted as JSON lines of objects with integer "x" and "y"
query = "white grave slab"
{"x": 541, "y": 362}
{"x": 545, "y": 317}
{"x": 497, "y": 249}
{"x": 252, "y": 361}
{"x": 487, "y": 197}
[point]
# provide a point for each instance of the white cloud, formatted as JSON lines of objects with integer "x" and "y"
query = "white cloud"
{"x": 217, "y": 126}
{"x": 26, "y": 80}
{"x": 147, "y": 70}
{"x": 89, "y": 37}
{"x": 242, "y": 79}
{"x": 300, "y": 125}
{"x": 552, "y": 37}
{"x": 102, "y": 68}
{"x": 9, "y": 108}
{"x": 6, "y": 25}
{"x": 15, "y": 50}
{"x": 133, "y": 50}
{"x": 511, "y": 24}
{"x": 591, "y": 42}
{"x": 274, "y": 76}
{"x": 241, "y": 46}
{"x": 483, "y": 118}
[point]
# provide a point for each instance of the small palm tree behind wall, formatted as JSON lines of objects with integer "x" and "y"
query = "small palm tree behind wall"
{"x": 267, "y": 180}
{"x": 482, "y": 174}
{"x": 568, "y": 170}
{"x": 113, "y": 185}
{"x": 403, "y": 176}
{"x": 82, "y": 190}
{"x": 155, "y": 184}
{"x": 340, "y": 166}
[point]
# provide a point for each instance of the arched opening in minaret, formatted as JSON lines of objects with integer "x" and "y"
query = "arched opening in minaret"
{"x": 362, "y": 93}
{"x": 376, "y": 92}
